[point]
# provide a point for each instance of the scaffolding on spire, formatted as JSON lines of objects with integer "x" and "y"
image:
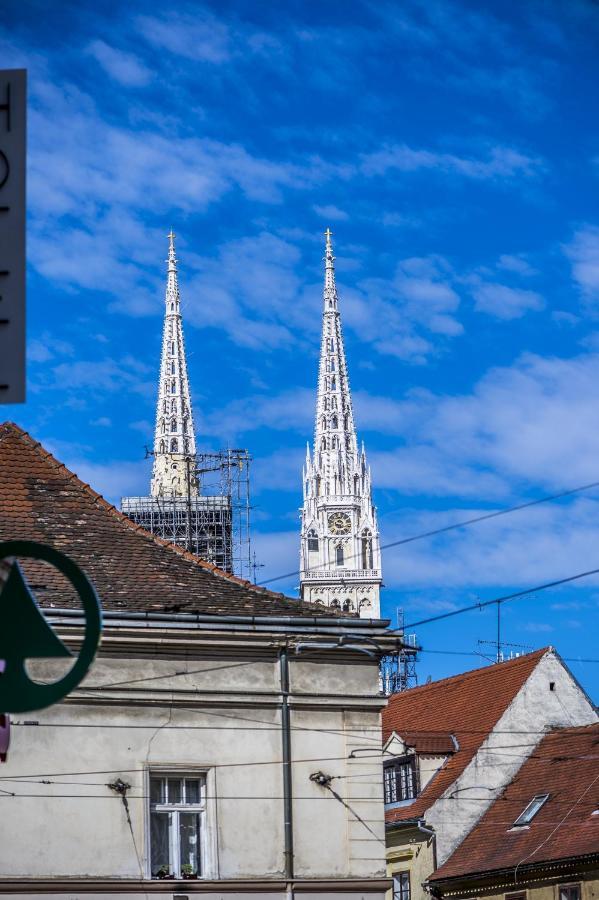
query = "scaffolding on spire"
{"x": 199, "y": 501}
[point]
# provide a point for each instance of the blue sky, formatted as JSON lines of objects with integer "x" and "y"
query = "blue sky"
{"x": 452, "y": 147}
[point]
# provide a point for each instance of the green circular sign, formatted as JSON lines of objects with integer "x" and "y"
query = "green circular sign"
{"x": 25, "y": 633}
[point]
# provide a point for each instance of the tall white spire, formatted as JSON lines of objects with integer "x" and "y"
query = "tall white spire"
{"x": 174, "y": 438}
{"x": 340, "y": 548}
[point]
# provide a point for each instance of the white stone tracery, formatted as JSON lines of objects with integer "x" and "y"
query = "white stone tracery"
{"x": 339, "y": 525}
{"x": 174, "y": 440}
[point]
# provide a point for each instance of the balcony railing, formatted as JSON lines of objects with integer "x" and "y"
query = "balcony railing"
{"x": 340, "y": 574}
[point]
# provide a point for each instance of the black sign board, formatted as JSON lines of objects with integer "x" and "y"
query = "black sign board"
{"x": 13, "y": 99}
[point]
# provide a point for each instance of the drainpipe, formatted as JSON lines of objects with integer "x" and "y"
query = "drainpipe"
{"x": 287, "y": 784}
{"x": 430, "y": 831}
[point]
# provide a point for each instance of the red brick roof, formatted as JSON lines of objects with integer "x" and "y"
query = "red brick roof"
{"x": 41, "y": 500}
{"x": 467, "y": 706}
{"x": 564, "y": 765}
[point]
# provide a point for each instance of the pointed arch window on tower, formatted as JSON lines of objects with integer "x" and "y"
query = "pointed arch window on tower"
{"x": 334, "y": 383}
{"x": 333, "y": 403}
{"x": 162, "y": 427}
{"x": 323, "y": 444}
{"x": 173, "y": 386}
{"x": 367, "y": 549}
{"x": 339, "y": 555}
{"x": 164, "y": 406}
{"x": 184, "y": 426}
{"x": 173, "y": 368}
{"x": 334, "y": 422}
{"x": 334, "y": 442}
{"x": 162, "y": 447}
{"x": 173, "y": 406}
{"x": 331, "y": 365}
{"x": 173, "y": 424}
{"x": 312, "y": 541}
{"x": 323, "y": 423}
{"x": 174, "y": 445}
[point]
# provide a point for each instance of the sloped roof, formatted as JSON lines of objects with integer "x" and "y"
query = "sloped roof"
{"x": 564, "y": 765}
{"x": 41, "y": 500}
{"x": 466, "y": 705}
{"x": 428, "y": 742}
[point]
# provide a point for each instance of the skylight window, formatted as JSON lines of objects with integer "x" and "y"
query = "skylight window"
{"x": 530, "y": 811}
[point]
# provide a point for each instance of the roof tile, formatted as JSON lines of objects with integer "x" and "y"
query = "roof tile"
{"x": 41, "y": 500}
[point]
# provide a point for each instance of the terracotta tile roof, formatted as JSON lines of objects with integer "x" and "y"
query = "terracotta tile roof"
{"x": 564, "y": 765}
{"x": 467, "y": 706}
{"x": 41, "y": 500}
{"x": 428, "y": 742}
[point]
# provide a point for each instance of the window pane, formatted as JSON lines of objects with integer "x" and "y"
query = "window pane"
{"x": 174, "y": 790}
{"x": 569, "y": 892}
{"x": 192, "y": 790}
{"x": 157, "y": 790}
{"x": 159, "y": 826}
{"x": 189, "y": 836}
{"x": 401, "y": 886}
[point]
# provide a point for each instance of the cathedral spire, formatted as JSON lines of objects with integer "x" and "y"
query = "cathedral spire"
{"x": 174, "y": 438}
{"x": 340, "y": 556}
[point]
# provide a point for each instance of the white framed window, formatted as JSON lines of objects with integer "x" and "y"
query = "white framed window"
{"x": 179, "y": 840}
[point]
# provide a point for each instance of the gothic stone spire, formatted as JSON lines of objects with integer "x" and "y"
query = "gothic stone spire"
{"x": 174, "y": 438}
{"x": 340, "y": 556}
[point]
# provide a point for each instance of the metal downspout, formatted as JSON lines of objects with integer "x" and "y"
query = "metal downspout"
{"x": 287, "y": 782}
{"x": 430, "y": 831}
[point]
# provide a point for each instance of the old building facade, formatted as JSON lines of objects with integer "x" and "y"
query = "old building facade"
{"x": 539, "y": 838}
{"x": 451, "y": 748}
{"x": 182, "y": 765}
{"x": 340, "y": 559}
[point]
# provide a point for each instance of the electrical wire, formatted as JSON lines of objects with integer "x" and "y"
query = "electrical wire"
{"x": 504, "y": 599}
{"x": 463, "y": 524}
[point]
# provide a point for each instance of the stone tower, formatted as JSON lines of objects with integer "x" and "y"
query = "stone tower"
{"x": 340, "y": 560}
{"x": 174, "y": 438}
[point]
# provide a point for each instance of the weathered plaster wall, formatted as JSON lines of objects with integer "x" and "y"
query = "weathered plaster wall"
{"x": 408, "y": 850}
{"x": 535, "y": 709}
{"x": 227, "y": 721}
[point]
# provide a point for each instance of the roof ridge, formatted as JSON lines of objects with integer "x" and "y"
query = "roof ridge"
{"x": 110, "y": 508}
{"x": 421, "y": 688}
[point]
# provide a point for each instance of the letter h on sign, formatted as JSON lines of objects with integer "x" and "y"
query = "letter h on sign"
{"x": 13, "y": 97}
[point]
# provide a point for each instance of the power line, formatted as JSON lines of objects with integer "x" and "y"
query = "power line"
{"x": 580, "y": 659}
{"x": 504, "y": 599}
{"x": 463, "y": 524}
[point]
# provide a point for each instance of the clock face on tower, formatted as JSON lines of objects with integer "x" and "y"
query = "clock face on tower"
{"x": 339, "y": 523}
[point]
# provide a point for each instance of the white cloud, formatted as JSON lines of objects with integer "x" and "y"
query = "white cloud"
{"x": 125, "y": 68}
{"x": 506, "y": 302}
{"x": 516, "y": 263}
{"x": 331, "y": 213}
{"x": 502, "y": 163}
{"x": 583, "y": 252}
{"x": 198, "y": 36}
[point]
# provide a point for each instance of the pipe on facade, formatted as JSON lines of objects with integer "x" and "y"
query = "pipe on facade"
{"x": 433, "y": 834}
{"x": 287, "y": 775}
